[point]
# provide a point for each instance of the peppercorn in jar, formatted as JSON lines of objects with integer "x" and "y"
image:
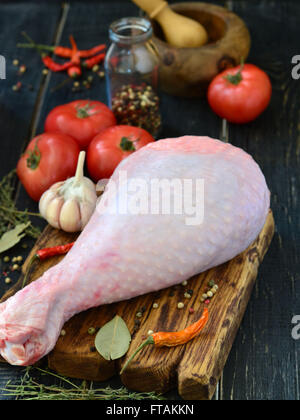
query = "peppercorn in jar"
{"x": 132, "y": 73}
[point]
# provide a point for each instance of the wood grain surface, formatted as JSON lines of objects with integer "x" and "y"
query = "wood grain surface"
{"x": 187, "y": 72}
{"x": 197, "y": 366}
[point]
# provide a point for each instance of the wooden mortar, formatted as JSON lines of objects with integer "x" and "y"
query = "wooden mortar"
{"x": 187, "y": 71}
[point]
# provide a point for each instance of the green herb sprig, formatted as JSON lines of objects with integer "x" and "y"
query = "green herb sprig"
{"x": 30, "y": 389}
{"x": 10, "y": 216}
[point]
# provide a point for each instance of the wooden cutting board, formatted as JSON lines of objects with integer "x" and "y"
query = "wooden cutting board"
{"x": 194, "y": 368}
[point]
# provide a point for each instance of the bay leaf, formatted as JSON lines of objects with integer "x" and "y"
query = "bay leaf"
{"x": 113, "y": 339}
{"x": 12, "y": 237}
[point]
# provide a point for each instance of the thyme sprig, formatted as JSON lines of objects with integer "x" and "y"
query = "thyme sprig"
{"x": 30, "y": 389}
{"x": 10, "y": 216}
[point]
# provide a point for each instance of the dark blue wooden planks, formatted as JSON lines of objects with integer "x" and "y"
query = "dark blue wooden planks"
{"x": 263, "y": 363}
{"x": 18, "y": 109}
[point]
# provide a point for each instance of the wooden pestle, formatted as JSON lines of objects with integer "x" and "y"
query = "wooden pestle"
{"x": 179, "y": 30}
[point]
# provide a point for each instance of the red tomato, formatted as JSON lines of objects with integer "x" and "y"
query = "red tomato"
{"x": 111, "y": 146}
{"x": 82, "y": 120}
{"x": 240, "y": 94}
{"x": 49, "y": 158}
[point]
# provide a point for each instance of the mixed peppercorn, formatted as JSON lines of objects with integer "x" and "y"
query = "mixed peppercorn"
{"x": 137, "y": 105}
{"x": 210, "y": 292}
{"x": 10, "y": 265}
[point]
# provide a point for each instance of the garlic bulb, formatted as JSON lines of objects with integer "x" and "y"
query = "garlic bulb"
{"x": 68, "y": 205}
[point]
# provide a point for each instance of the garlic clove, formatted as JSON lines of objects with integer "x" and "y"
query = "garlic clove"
{"x": 45, "y": 200}
{"x": 86, "y": 211}
{"x": 53, "y": 211}
{"x": 90, "y": 197}
{"x": 89, "y": 184}
{"x": 70, "y": 217}
{"x": 48, "y": 196}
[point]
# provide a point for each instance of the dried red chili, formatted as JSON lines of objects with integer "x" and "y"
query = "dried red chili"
{"x": 64, "y": 52}
{"x": 58, "y": 50}
{"x": 53, "y": 66}
{"x": 92, "y": 51}
{"x": 172, "y": 339}
{"x": 45, "y": 253}
{"x": 75, "y": 70}
{"x": 91, "y": 62}
{"x": 73, "y": 66}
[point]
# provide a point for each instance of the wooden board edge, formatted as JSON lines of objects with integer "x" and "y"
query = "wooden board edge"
{"x": 202, "y": 387}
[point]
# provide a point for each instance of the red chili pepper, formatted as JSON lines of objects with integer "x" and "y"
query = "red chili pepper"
{"x": 64, "y": 51}
{"x": 45, "y": 253}
{"x": 48, "y": 62}
{"x": 74, "y": 72}
{"x": 73, "y": 66}
{"x": 172, "y": 339}
{"x": 92, "y": 51}
{"x": 75, "y": 57}
{"x": 53, "y": 66}
{"x": 91, "y": 62}
{"x": 58, "y": 50}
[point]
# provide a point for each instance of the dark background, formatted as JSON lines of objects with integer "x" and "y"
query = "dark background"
{"x": 264, "y": 361}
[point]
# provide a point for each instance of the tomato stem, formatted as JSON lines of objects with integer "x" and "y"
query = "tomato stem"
{"x": 127, "y": 145}
{"x": 34, "y": 157}
{"x": 83, "y": 111}
{"x": 236, "y": 79}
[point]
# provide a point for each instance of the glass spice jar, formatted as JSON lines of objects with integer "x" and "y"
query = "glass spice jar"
{"x": 131, "y": 67}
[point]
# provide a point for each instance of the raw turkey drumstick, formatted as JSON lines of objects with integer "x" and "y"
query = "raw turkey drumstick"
{"x": 122, "y": 254}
